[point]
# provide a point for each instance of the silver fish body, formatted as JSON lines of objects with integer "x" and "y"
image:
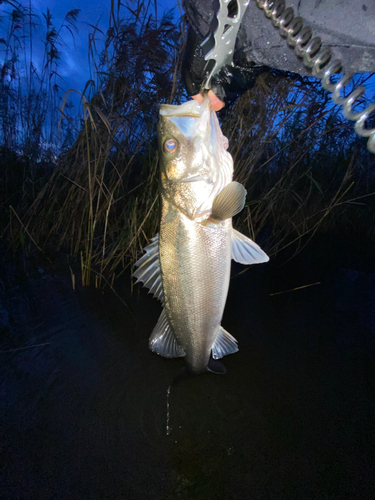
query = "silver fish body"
{"x": 188, "y": 265}
{"x": 195, "y": 266}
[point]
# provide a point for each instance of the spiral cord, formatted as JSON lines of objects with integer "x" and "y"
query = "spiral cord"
{"x": 320, "y": 60}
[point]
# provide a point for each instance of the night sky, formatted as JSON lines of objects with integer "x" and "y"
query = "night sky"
{"x": 74, "y": 66}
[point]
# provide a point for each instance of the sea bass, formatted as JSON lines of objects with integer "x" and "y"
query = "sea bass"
{"x": 187, "y": 265}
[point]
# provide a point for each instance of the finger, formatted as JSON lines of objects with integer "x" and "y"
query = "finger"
{"x": 216, "y": 104}
{"x": 198, "y": 97}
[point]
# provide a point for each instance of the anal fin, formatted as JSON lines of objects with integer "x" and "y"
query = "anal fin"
{"x": 224, "y": 344}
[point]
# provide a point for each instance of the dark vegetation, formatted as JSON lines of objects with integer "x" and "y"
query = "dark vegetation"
{"x": 91, "y": 188}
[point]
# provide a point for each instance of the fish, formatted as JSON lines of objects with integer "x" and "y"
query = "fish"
{"x": 187, "y": 264}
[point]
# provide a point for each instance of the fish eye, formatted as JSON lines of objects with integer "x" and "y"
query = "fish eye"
{"x": 170, "y": 146}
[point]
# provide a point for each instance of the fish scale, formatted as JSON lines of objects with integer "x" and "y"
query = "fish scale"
{"x": 195, "y": 266}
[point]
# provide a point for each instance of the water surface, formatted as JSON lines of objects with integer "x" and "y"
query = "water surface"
{"x": 84, "y": 416}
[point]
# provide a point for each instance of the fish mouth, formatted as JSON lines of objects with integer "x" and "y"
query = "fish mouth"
{"x": 191, "y": 118}
{"x": 189, "y": 108}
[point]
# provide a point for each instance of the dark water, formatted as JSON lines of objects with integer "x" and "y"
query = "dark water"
{"x": 84, "y": 416}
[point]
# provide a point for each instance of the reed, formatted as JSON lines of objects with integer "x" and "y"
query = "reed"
{"x": 102, "y": 200}
{"x": 30, "y": 92}
{"x": 299, "y": 160}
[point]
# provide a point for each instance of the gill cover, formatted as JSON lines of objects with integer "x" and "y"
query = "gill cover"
{"x": 195, "y": 165}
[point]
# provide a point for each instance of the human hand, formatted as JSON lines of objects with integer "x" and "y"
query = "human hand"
{"x": 216, "y": 104}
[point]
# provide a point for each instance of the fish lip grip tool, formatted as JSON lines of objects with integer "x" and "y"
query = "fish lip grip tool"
{"x": 219, "y": 45}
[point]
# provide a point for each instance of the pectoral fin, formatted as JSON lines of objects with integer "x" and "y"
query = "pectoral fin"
{"x": 224, "y": 344}
{"x": 229, "y": 202}
{"x": 148, "y": 271}
{"x": 163, "y": 341}
{"x": 245, "y": 251}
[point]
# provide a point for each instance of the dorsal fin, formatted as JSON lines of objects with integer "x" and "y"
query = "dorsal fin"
{"x": 148, "y": 271}
{"x": 163, "y": 341}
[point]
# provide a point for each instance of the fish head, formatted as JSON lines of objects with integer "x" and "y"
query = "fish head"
{"x": 194, "y": 163}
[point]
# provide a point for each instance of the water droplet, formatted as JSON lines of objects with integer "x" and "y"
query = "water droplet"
{"x": 168, "y": 429}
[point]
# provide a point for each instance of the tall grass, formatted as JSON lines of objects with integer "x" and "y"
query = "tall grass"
{"x": 102, "y": 199}
{"x": 30, "y": 82}
{"x": 299, "y": 160}
{"x": 295, "y": 154}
